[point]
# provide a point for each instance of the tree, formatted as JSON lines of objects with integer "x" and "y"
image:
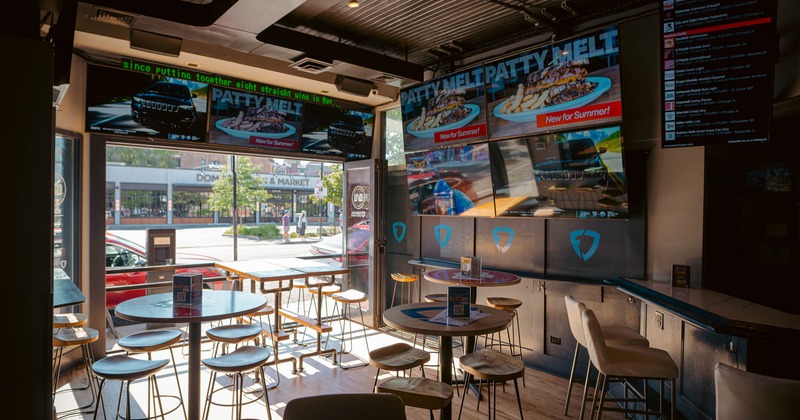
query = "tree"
{"x": 143, "y": 157}
{"x": 249, "y": 191}
{"x": 395, "y": 150}
{"x": 333, "y": 183}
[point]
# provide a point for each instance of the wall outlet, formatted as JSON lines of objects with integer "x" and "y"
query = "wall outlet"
{"x": 555, "y": 340}
{"x": 659, "y": 320}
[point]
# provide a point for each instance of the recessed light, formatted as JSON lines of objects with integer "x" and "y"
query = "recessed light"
{"x": 195, "y": 65}
{"x": 353, "y": 3}
{"x": 324, "y": 91}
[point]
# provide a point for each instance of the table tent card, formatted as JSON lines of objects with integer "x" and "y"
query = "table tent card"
{"x": 458, "y": 302}
{"x": 187, "y": 289}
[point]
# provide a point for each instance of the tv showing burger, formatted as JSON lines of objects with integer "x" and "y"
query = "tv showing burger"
{"x": 562, "y": 86}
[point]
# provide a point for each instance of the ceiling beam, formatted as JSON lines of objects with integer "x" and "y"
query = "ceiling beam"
{"x": 320, "y": 47}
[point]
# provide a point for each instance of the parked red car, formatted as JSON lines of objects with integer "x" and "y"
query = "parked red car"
{"x": 122, "y": 253}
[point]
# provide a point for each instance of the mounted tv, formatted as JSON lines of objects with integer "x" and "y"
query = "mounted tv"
{"x": 145, "y": 105}
{"x": 335, "y": 131}
{"x": 250, "y": 119}
{"x": 447, "y": 111}
{"x": 455, "y": 181}
{"x": 576, "y": 174}
{"x": 566, "y": 85}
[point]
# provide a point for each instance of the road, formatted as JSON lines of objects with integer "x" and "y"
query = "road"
{"x": 211, "y": 241}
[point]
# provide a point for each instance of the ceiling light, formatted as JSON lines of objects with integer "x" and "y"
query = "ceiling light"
{"x": 353, "y": 4}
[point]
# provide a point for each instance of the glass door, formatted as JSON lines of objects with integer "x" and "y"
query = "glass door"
{"x": 365, "y": 248}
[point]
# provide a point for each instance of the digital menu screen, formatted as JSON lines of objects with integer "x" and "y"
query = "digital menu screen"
{"x": 577, "y": 174}
{"x": 445, "y": 111}
{"x": 717, "y": 70}
{"x": 146, "y": 105}
{"x": 566, "y": 85}
{"x": 451, "y": 181}
{"x": 250, "y": 119}
{"x": 334, "y": 131}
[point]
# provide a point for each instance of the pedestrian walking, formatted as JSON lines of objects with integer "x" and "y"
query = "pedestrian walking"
{"x": 301, "y": 225}
{"x": 286, "y": 219}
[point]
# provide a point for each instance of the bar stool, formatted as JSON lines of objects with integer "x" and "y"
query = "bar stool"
{"x": 326, "y": 292}
{"x": 406, "y": 281}
{"x": 235, "y": 334}
{"x": 150, "y": 341}
{"x": 396, "y": 358}
{"x": 236, "y": 364}
{"x": 419, "y": 392}
{"x": 128, "y": 369}
{"x": 75, "y": 336}
{"x": 69, "y": 319}
{"x": 743, "y": 395}
{"x": 347, "y": 299}
{"x": 625, "y": 364}
{"x": 615, "y": 335}
{"x": 267, "y": 333}
{"x": 301, "y": 286}
{"x": 493, "y": 367}
{"x": 512, "y": 332}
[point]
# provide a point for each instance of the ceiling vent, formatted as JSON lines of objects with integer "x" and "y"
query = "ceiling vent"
{"x": 388, "y": 79}
{"x": 112, "y": 17}
{"x": 312, "y": 65}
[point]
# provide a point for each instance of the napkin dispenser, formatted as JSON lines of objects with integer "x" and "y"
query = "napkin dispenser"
{"x": 187, "y": 289}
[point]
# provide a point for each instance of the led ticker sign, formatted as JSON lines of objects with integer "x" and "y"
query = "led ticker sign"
{"x": 229, "y": 82}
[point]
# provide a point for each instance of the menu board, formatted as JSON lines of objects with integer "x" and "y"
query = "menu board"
{"x": 717, "y": 69}
{"x": 569, "y": 84}
{"x": 445, "y": 111}
{"x": 251, "y": 119}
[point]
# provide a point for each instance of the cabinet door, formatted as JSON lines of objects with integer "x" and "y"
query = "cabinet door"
{"x": 701, "y": 351}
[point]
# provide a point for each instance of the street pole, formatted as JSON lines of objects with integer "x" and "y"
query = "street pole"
{"x": 321, "y": 174}
{"x": 235, "y": 210}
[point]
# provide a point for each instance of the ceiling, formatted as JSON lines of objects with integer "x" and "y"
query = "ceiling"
{"x": 390, "y": 43}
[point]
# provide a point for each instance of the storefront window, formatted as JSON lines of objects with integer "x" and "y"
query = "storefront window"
{"x": 143, "y": 203}
{"x": 65, "y": 211}
{"x": 191, "y": 203}
{"x": 393, "y": 136}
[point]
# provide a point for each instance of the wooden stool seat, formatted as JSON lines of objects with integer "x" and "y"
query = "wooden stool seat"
{"x": 242, "y": 359}
{"x": 398, "y": 356}
{"x": 325, "y": 290}
{"x": 419, "y": 392}
{"x": 492, "y": 365}
{"x": 148, "y": 341}
{"x": 436, "y": 297}
{"x": 69, "y": 319}
{"x": 236, "y": 364}
{"x": 503, "y": 303}
{"x": 350, "y": 296}
{"x": 234, "y": 334}
{"x": 126, "y": 368}
{"x": 74, "y": 336}
{"x": 405, "y": 277}
{"x": 267, "y": 310}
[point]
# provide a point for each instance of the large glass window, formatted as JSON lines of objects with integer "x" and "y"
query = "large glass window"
{"x": 393, "y": 135}
{"x": 142, "y": 201}
{"x": 191, "y": 202}
{"x": 65, "y": 211}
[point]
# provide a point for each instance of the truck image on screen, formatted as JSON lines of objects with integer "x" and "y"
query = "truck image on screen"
{"x": 164, "y": 104}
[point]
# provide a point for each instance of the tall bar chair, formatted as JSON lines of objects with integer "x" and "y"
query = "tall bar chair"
{"x": 236, "y": 363}
{"x": 65, "y": 337}
{"x": 743, "y": 395}
{"x": 493, "y": 367}
{"x": 407, "y": 281}
{"x": 626, "y": 364}
{"x": 128, "y": 369}
{"x": 347, "y": 299}
{"x": 615, "y": 335}
{"x": 513, "y": 334}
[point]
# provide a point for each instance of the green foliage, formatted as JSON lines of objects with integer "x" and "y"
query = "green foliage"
{"x": 333, "y": 183}
{"x": 250, "y": 188}
{"x": 266, "y": 231}
{"x": 142, "y": 157}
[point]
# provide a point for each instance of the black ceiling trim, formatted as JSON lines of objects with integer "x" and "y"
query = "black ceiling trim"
{"x": 172, "y": 10}
{"x": 321, "y": 47}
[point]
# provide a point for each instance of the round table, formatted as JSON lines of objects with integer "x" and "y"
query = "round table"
{"x": 216, "y": 305}
{"x": 414, "y": 318}
{"x": 489, "y": 278}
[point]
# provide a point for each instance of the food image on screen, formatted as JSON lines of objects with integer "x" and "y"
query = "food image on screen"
{"x": 129, "y": 103}
{"x": 451, "y": 182}
{"x": 577, "y": 174}
{"x": 445, "y": 109}
{"x": 552, "y": 85}
{"x": 252, "y": 119}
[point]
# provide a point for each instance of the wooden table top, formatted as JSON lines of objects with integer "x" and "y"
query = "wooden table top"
{"x": 489, "y": 278}
{"x": 260, "y": 270}
{"x": 414, "y": 317}
{"x": 216, "y": 305}
{"x": 310, "y": 267}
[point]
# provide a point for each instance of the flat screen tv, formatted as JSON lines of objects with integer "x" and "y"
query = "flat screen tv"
{"x": 145, "y": 105}
{"x": 567, "y": 85}
{"x": 455, "y": 181}
{"x": 576, "y": 174}
{"x": 335, "y": 131}
{"x": 250, "y": 119}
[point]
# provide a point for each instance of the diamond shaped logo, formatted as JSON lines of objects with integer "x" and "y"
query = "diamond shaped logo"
{"x": 497, "y": 236}
{"x": 575, "y": 238}
{"x": 442, "y": 234}
{"x": 399, "y": 231}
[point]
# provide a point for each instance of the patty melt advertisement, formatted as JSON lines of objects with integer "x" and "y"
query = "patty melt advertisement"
{"x": 562, "y": 86}
{"x": 446, "y": 111}
{"x": 251, "y": 119}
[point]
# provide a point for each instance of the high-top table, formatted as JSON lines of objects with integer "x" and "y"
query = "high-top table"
{"x": 215, "y": 305}
{"x": 415, "y": 318}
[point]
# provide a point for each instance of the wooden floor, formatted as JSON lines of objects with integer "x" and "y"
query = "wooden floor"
{"x": 542, "y": 397}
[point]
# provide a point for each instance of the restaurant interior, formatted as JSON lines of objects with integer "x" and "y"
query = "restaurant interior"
{"x": 588, "y": 203}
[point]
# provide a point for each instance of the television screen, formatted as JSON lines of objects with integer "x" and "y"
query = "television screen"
{"x": 334, "y": 131}
{"x": 451, "y": 182}
{"x": 577, "y": 174}
{"x": 250, "y": 119}
{"x": 446, "y": 111}
{"x": 146, "y": 105}
{"x": 565, "y": 85}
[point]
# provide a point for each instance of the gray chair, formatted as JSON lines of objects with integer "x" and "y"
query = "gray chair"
{"x": 363, "y": 406}
{"x": 742, "y": 395}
